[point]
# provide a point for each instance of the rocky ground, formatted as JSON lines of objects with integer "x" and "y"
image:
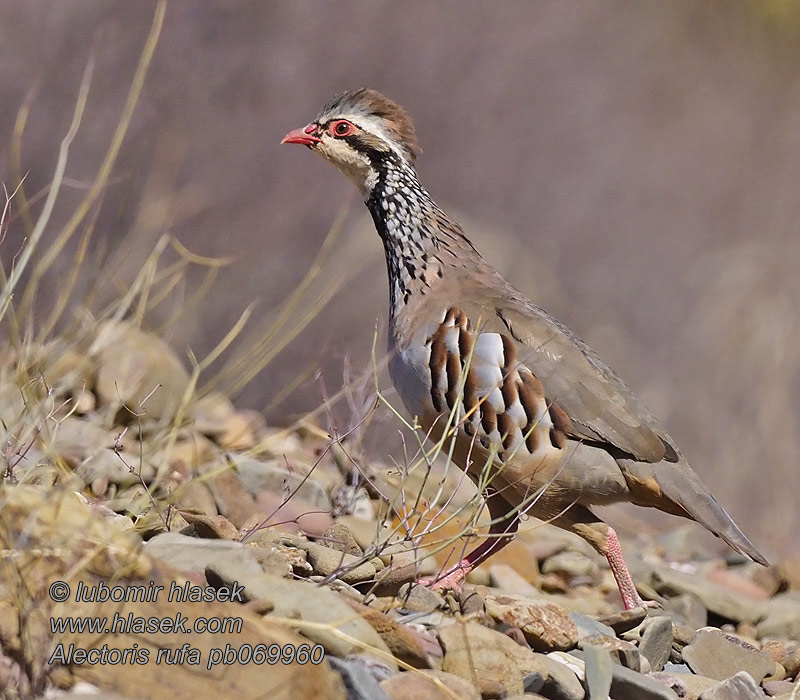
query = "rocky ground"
{"x": 116, "y": 475}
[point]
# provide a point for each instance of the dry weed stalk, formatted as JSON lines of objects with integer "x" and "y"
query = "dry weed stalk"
{"x": 35, "y": 347}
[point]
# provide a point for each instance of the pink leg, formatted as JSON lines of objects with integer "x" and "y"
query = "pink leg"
{"x": 627, "y": 589}
{"x": 580, "y": 520}
{"x": 501, "y": 533}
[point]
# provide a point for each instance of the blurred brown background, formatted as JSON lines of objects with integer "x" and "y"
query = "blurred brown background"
{"x": 633, "y": 166}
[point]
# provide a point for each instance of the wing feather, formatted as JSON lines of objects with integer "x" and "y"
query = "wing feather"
{"x": 599, "y": 404}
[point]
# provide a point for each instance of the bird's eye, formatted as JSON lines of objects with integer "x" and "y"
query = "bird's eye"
{"x": 342, "y": 128}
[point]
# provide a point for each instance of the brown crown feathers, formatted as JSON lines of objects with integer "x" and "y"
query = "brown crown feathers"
{"x": 371, "y": 103}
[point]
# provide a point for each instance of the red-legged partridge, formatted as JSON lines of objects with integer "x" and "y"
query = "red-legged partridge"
{"x": 558, "y": 429}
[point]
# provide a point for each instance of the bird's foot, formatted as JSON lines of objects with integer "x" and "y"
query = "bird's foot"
{"x": 639, "y": 604}
{"x": 633, "y": 601}
{"x": 453, "y": 580}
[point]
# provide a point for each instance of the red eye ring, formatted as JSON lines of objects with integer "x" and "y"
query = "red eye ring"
{"x": 341, "y": 128}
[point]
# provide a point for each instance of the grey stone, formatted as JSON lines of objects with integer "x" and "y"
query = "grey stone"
{"x": 782, "y": 620}
{"x": 191, "y": 555}
{"x": 280, "y": 561}
{"x": 776, "y": 688}
{"x": 558, "y": 681}
{"x": 367, "y": 532}
{"x": 676, "y": 668}
{"x": 533, "y": 682}
{"x": 486, "y": 657}
{"x": 472, "y": 651}
{"x": 390, "y": 579}
{"x": 692, "y": 611}
{"x": 738, "y": 687}
{"x": 399, "y": 554}
{"x": 123, "y": 468}
{"x": 194, "y": 494}
{"x": 334, "y": 624}
{"x": 417, "y": 598}
{"x": 682, "y": 635}
{"x": 408, "y": 644}
{"x": 715, "y": 655}
{"x": 572, "y": 659}
{"x": 471, "y": 602}
{"x": 629, "y": 685}
{"x": 75, "y": 439}
{"x": 621, "y": 652}
{"x": 340, "y": 587}
{"x": 430, "y": 620}
{"x": 328, "y": 562}
{"x": 509, "y": 580}
{"x": 598, "y": 672}
{"x": 132, "y": 364}
{"x": 214, "y": 527}
{"x": 717, "y": 599}
{"x": 427, "y": 685}
{"x": 570, "y": 565}
{"x": 359, "y": 683}
{"x": 683, "y": 545}
{"x": 695, "y": 685}
{"x": 589, "y": 627}
{"x": 230, "y": 497}
{"x": 272, "y": 476}
{"x": 155, "y": 522}
{"x": 498, "y": 665}
{"x": 656, "y": 643}
{"x": 676, "y": 683}
{"x": 339, "y": 537}
{"x": 624, "y": 620}
{"x": 210, "y": 412}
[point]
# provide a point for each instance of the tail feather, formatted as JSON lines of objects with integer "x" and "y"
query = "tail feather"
{"x": 675, "y": 488}
{"x": 735, "y": 537}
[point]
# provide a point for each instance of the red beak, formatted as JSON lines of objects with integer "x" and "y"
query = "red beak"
{"x": 304, "y": 136}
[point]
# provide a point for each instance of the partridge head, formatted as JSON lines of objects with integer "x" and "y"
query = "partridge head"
{"x": 357, "y": 131}
{"x": 538, "y": 421}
